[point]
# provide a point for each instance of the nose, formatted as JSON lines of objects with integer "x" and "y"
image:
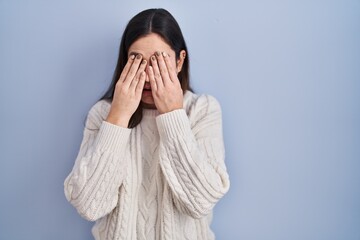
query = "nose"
{"x": 147, "y": 78}
{"x": 147, "y": 75}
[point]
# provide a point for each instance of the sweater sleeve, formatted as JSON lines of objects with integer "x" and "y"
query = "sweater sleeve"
{"x": 92, "y": 185}
{"x": 192, "y": 156}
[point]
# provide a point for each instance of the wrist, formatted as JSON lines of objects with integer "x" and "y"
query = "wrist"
{"x": 117, "y": 119}
{"x": 170, "y": 109}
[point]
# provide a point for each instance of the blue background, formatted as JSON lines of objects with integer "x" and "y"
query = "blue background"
{"x": 287, "y": 74}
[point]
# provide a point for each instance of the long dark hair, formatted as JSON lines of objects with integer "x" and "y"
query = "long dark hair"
{"x": 158, "y": 21}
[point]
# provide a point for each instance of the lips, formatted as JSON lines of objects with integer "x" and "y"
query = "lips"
{"x": 147, "y": 87}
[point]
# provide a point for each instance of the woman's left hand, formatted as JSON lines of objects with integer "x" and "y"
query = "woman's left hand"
{"x": 165, "y": 85}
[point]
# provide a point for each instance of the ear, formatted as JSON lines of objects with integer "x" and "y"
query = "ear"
{"x": 180, "y": 61}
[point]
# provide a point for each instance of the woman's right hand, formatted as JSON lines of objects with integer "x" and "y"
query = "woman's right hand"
{"x": 128, "y": 91}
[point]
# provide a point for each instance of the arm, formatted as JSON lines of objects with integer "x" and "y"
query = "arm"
{"x": 92, "y": 186}
{"x": 192, "y": 156}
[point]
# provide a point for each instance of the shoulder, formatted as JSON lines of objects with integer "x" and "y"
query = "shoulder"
{"x": 200, "y": 105}
{"x": 97, "y": 113}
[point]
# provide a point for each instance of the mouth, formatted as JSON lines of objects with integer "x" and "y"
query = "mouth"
{"x": 147, "y": 88}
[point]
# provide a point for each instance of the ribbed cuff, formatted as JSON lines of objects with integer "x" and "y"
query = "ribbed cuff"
{"x": 173, "y": 123}
{"x": 111, "y": 137}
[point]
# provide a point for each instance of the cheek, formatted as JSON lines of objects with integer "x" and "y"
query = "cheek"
{"x": 174, "y": 63}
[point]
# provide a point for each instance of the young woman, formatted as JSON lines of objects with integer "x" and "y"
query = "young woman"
{"x": 151, "y": 162}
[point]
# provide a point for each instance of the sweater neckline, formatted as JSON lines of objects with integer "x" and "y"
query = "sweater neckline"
{"x": 150, "y": 112}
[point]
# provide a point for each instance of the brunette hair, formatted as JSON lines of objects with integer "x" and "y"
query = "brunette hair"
{"x": 158, "y": 21}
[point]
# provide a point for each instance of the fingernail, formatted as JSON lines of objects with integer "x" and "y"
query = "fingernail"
{"x": 153, "y": 58}
{"x": 158, "y": 54}
{"x": 138, "y": 56}
{"x": 132, "y": 56}
{"x": 164, "y": 54}
{"x": 144, "y": 61}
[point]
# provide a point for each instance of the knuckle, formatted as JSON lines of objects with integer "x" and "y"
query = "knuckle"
{"x": 159, "y": 92}
{"x": 131, "y": 71}
{"x": 123, "y": 90}
{"x": 118, "y": 83}
{"x": 163, "y": 71}
{"x": 157, "y": 75}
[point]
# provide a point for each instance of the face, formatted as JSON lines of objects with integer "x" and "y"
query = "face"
{"x": 147, "y": 46}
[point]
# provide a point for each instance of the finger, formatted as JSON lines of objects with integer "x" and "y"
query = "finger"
{"x": 171, "y": 70}
{"x": 163, "y": 69}
{"x": 133, "y": 70}
{"x": 152, "y": 79}
{"x": 135, "y": 80}
{"x": 156, "y": 71}
{"x": 126, "y": 68}
{"x": 141, "y": 83}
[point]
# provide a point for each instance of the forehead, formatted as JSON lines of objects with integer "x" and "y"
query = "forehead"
{"x": 149, "y": 44}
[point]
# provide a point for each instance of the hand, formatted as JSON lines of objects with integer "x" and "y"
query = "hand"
{"x": 165, "y": 85}
{"x": 128, "y": 91}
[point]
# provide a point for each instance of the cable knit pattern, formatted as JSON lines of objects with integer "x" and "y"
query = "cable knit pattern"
{"x": 159, "y": 180}
{"x": 148, "y": 203}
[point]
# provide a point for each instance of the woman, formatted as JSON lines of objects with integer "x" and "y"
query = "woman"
{"x": 151, "y": 162}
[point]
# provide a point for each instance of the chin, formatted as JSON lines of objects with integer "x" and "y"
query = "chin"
{"x": 148, "y": 106}
{"x": 148, "y": 103}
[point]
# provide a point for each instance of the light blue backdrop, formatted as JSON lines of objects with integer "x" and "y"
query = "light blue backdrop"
{"x": 287, "y": 74}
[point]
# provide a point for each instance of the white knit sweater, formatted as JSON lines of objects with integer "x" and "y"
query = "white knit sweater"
{"x": 159, "y": 180}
